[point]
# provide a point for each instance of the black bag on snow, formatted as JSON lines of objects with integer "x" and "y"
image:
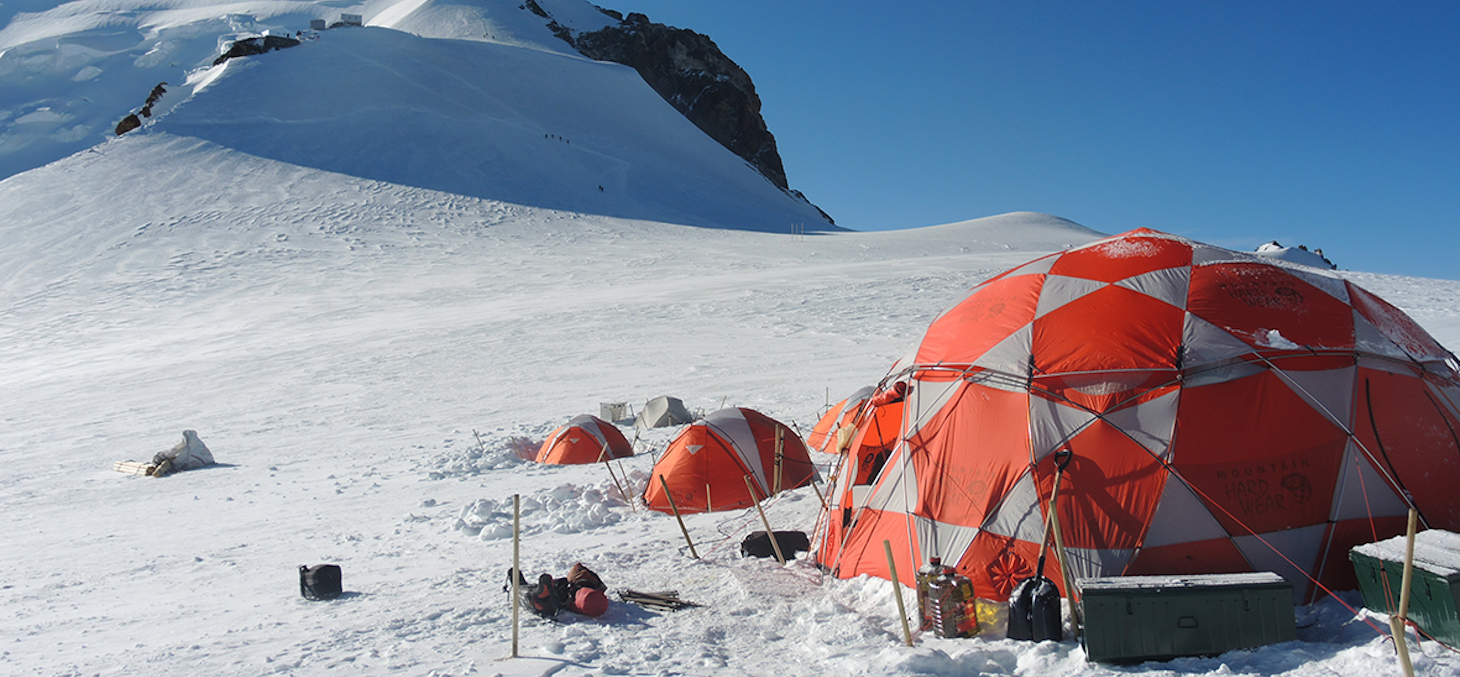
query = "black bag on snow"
{"x": 1034, "y": 606}
{"x": 1034, "y": 611}
{"x": 545, "y": 598}
{"x": 758, "y": 544}
{"x": 321, "y": 581}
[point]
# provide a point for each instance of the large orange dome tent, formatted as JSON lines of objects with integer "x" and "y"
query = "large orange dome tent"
{"x": 705, "y": 465}
{"x": 1224, "y": 413}
{"x": 584, "y": 439}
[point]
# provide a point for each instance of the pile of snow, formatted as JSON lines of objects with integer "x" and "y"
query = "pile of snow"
{"x": 565, "y": 509}
{"x": 1298, "y": 254}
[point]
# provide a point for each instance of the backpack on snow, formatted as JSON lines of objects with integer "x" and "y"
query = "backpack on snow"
{"x": 547, "y": 597}
{"x": 587, "y": 591}
{"x": 321, "y": 581}
{"x": 758, "y": 544}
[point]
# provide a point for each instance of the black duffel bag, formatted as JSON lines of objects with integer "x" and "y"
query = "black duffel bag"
{"x": 321, "y": 581}
{"x": 758, "y": 544}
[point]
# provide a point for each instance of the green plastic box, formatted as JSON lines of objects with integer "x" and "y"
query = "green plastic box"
{"x": 1151, "y": 618}
{"x": 1433, "y": 588}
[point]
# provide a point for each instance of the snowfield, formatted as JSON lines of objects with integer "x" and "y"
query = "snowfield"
{"x": 363, "y": 348}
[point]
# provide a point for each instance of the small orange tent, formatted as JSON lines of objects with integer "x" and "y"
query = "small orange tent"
{"x": 706, "y": 464}
{"x": 585, "y": 439}
{"x": 823, "y": 436}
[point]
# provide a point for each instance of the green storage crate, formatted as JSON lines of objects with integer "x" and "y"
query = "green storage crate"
{"x": 1144, "y": 618}
{"x": 1434, "y": 588}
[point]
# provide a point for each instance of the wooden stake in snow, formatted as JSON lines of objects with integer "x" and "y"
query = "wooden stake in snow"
{"x": 897, "y": 593}
{"x": 709, "y": 504}
{"x": 621, "y": 471}
{"x": 780, "y": 454}
{"x": 819, "y": 495}
{"x": 677, "y": 518}
{"x": 603, "y": 458}
{"x": 1069, "y": 579}
{"x": 1397, "y": 621}
{"x": 775, "y": 544}
{"x": 516, "y": 565}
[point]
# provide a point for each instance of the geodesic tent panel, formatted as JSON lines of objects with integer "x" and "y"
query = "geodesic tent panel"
{"x": 1224, "y": 414}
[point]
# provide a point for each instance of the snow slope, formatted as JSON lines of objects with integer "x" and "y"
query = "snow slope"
{"x": 476, "y": 99}
{"x": 486, "y": 120}
{"x": 339, "y": 342}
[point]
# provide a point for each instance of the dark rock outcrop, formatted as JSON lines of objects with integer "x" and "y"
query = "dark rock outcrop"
{"x": 694, "y": 76}
{"x": 128, "y": 124}
{"x": 132, "y": 122}
{"x": 253, "y": 46}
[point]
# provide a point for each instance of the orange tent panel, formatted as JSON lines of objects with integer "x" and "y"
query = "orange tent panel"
{"x": 585, "y": 439}
{"x": 706, "y": 464}
{"x": 1234, "y": 412}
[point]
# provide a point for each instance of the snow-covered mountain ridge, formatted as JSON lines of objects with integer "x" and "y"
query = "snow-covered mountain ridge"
{"x": 470, "y": 98}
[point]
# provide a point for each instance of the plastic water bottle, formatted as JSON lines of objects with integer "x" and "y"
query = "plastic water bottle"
{"x": 925, "y": 576}
{"x": 952, "y": 605}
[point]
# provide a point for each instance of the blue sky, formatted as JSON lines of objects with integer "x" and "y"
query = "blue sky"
{"x": 1330, "y": 124}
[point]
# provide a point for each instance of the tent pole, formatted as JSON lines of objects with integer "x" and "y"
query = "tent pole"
{"x": 675, "y": 508}
{"x": 897, "y": 593}
{"x": 775, "y": 543}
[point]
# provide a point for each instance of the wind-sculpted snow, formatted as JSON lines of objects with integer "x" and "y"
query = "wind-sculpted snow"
{"x": 565, "y": 509}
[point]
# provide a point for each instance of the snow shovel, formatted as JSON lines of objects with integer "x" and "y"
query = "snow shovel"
{"x": 1034, "y": 606}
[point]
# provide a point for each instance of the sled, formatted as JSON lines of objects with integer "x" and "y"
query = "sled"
{"x": 134, "y": 467}
{"x": 668, "y": 599}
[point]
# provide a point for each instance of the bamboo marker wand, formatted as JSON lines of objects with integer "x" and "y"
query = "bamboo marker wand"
{"x": 775, "y": 544}
{"x": 1397, "y": 621}
{"x": 516, "y": 566}
{"x": 606, "y": 461}
{"x": 1065, "y": 573}
{"x": 897, "y": 593}
{"x": 780, "y": 454}
{"x": 819, "y": 495}
{"x": 675, "y": 508}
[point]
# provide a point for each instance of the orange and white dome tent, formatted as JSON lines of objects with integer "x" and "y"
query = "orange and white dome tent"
{"x": 584, "y": 439}
{"x": 823, "y": 435}
{"x": 705, "y": 465}
{"x": 1225, "y": 414}
{"x": 876, "y": 433}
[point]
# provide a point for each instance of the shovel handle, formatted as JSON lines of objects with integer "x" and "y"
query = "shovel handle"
{"x": 1062, "y": 460}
